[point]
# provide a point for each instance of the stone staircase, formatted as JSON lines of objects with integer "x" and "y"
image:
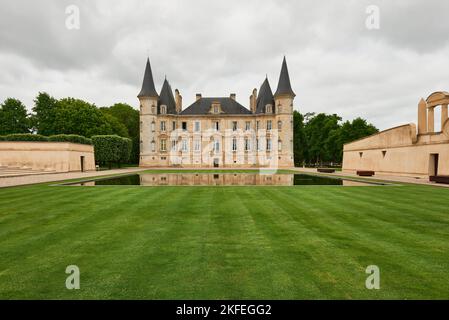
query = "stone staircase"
{"x": 20, "y": 171}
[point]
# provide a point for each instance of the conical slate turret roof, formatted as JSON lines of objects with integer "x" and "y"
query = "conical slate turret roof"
{"x": 148, "y": 89}
{"x": 166, "y": 98}
{"x": 265, "y": 97}
{"x": 284, "y": 86}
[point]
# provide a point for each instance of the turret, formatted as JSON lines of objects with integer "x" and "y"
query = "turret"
{"x": 284, "y": 94}
{"x": 148, "y": 98}
{"x": 167, "y": 100}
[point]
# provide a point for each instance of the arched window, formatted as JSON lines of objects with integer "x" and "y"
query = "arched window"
{"x": 153, "y": 146}
{"x": 163, "y": 109}
{"x": 279, "y": 145}
{"x": 279, "y": 125}
{"x": 152, "y": 126}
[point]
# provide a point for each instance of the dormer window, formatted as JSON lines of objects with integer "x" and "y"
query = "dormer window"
{"x": 163, "y": 109}
{"x": 215, "y": 108}
{"x": 268, "y": 108}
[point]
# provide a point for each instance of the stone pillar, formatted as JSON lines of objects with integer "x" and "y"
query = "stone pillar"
{"x": 444, "y": 115}
{"x": 430, "y": 120}
{"x": 422, "y": 117}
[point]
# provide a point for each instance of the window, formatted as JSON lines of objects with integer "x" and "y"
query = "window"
{"x": 184, "y": 126}
{"x": 279, "y": 145}
{"x": 217, "y": 145}
{"x": 197, "y": 126}
{"x": 173, "y": 125}
{"x": 384, "y": 153}
{"x": 257, "y": 125}
{"x": 247, "y": 144}
{"x": 153, "y": 146}
{"x": 247, "y": 125}
{"x": 217, "y": 125}
{"x": 173, "y": 145}
{"x": 234, "y": 144}
{"x": 268, "y": 108}
{"x": 279, "y": 125}
{"x": 268, "y": 124}
{"x": 163, "y": 109}
{"x": 216, "y": 109}
{"x": 197, "y": 145}
{"x": 152, "y": 126}
{"x": 361, "y": 154}
{"x": 268, "y": 144}
{"x": 257, "y": 145}
{"x": 163, "y": 145}
{"x": 184, "y": 145}
{"x": 162, "y": 125}
{"x": 234, "y": 125}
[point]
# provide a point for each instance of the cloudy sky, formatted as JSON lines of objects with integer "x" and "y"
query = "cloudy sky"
{"x": 336, "y": 64}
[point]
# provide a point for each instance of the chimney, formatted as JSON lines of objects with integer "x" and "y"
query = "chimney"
{"x": 232, "y": 96}
{"x": 253, "y": 100}
{"x": 178, "y": 100}
{"x": 198, "y": 96}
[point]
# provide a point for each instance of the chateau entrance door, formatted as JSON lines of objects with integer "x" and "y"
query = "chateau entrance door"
{"x": 433, "y": 164}
{"x": 82, "y": 163}
{"x": 216, "y": 163}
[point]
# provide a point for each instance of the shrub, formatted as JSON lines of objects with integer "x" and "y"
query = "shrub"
{"x": 25, "y": 137}
{"x": 74, "y": 138}
{"x": 2, "y": 138}
{"x": 111, "y": 148}
{"x": 125, "y": 154}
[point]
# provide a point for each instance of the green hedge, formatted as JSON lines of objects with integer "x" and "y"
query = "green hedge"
{"x": 111, "y": 148}
{"x": 70, "y": 138}
{"x": 37, "y": 137}
{"x": 25, "y": 137}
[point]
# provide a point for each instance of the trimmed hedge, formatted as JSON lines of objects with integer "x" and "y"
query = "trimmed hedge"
{"x": 37, "y": 137}
{"x": 74, "y": 138}
{"x": 111, "y": 148}
{"x": 25, "y": 137}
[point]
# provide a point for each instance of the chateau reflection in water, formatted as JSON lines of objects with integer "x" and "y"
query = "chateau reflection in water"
{"x": 221, "y": 179}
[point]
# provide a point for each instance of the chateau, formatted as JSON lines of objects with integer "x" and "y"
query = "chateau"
{"x": 216, "y": 131}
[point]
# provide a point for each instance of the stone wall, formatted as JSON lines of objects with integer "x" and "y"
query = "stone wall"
{"x": 46, "y": 156}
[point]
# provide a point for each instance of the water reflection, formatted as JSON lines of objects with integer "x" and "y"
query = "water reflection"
{"x": 221, "y": 179}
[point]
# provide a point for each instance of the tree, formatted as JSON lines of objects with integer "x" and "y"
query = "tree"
{"x": 317, "y": 131}
{"x": 13, "y": 117}
{"x": 43, "y": 119}
{"x": 75, "y": 116}
{"x": 299, "y": 139}
{"x": 357, "y": 129}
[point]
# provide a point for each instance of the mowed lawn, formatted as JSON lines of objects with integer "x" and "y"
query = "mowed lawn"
{"x": 304, "y": 242}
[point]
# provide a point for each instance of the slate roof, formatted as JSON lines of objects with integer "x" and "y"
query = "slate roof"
{"x": 203, "y": 105}
{"x": 148, "y": 89}
{"x": 284, "y": 86}
{"x": 166, "y": 97}
{"x": 264, "y": 97}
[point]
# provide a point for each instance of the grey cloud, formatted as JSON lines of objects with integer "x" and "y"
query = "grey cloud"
{"x": 217, "y": 47}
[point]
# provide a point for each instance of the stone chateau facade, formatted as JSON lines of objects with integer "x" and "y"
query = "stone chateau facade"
{"x": 216, "y": 131}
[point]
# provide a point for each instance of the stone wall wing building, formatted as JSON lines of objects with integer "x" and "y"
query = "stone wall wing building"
{"x": 216, "y": 131}
{"x": 406, "y": 150}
